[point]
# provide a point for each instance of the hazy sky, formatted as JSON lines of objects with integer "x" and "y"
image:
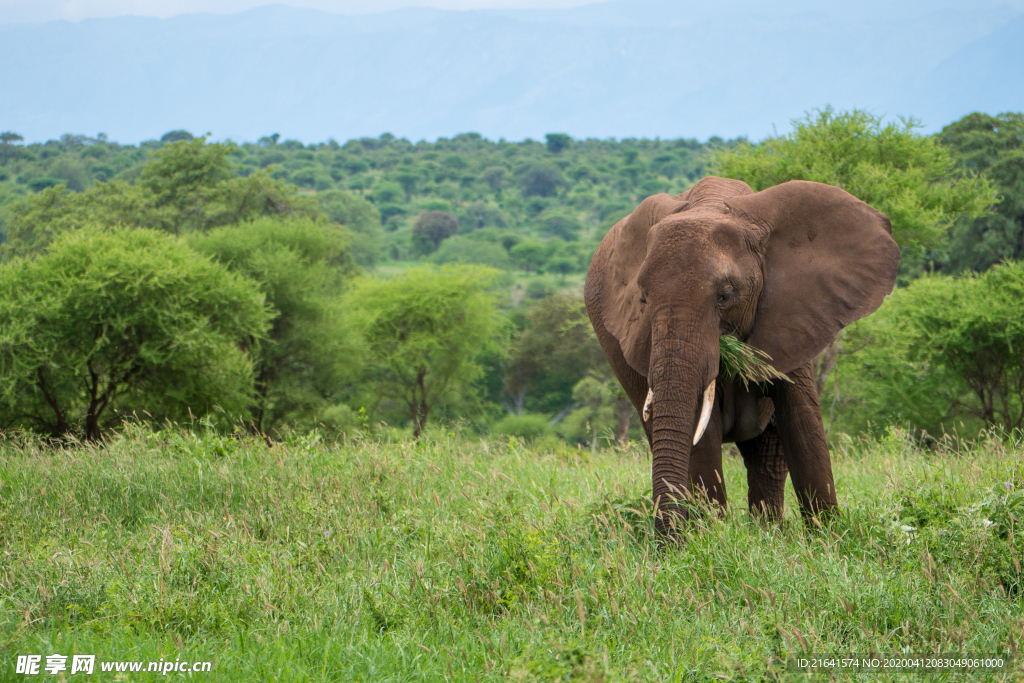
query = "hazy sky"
{"x": 22, "y": 11}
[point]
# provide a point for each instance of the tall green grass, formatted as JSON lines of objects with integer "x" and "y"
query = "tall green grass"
{"x": 452, "y": 559}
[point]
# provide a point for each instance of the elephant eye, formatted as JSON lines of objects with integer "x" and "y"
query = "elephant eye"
{"x": 643, "y": 298}
{"x": 724, "y": 296}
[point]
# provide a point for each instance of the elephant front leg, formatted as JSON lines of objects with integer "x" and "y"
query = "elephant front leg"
{"x": 766, "y": 472}
{"x": 706, "y": 476}
{"x": 802, "y": 435}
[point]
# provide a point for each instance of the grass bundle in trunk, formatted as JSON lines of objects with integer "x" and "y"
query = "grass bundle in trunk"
{"x": 742, "y": 361}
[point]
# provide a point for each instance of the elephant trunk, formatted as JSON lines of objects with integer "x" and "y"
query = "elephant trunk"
{"x": 681, "y": 379}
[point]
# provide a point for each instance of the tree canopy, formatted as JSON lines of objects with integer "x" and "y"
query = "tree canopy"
{"x": 993, "y": 146}
{"x": 111, "y": 321}
{"x": 425, "y": 331}
{"x": 188, "y": 186}
{"x": 306, "y": 356}
{"x": 433, "y": 227}
{"x": 555, "y": 348}
{"x": 943, "y": 350}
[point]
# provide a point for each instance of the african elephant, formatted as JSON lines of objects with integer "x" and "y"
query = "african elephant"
{"x": 784, "y": 270}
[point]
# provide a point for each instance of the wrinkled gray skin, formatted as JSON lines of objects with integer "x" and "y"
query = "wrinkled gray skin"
{"x": 784, "y": 270}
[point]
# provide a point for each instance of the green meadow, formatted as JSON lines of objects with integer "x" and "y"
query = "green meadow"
{"x": 458, "y": 559}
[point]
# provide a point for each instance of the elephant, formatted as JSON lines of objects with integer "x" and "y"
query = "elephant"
{"x": 783, "y": 269}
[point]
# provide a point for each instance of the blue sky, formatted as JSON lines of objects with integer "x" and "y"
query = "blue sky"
{"x": 629, "y": 68}
{"x": 24, "y": 11}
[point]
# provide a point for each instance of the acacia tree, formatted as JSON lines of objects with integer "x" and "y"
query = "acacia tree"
{"x": 359, "y": 217}
{"x": 118, "y": 319}
{"x": 302, "y": 267}
{"x": 7, "y": 149}
{"x": 425, "y": 332}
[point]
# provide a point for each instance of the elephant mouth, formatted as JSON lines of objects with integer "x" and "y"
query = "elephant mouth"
{"x": 707, "y": 404}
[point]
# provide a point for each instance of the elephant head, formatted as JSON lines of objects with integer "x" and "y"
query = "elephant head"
{"x": 783, "y": 269}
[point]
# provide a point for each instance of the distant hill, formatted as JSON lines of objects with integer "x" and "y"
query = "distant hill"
{"x": 617, "y": 69}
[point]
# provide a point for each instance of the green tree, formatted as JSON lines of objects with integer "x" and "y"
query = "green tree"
{"x": 556, "y": 142}
{"x": 431, "y": 228}
{"x": 561, "y": 224}
{"x": 425, "y": 332}
{"x": 361, "y": 218}
{"x": 900, "y": 172}
{"x": 35, "y": 222}
{"x": 595, "y": 402}
{"x": 551, "y": 353}
{"x": 993, "y": 146}
{"x": 176, "y": 135}
{"x": 110, "y": 322}
{"x": 562, "y": 265}
{"x": 481, "y": 215}
{"x": 460, "y": 249}
{"x": 301, "y": 267}
{"x": 529, "y": 254}
{"x": 8, "y": 149}
{"x": 407, "y": 180}
{"x": 195, "y": 187}
{"x": 541, "y": 180}
{"x": 943, "y": 350}
{"x": 495, "y": 177}
{"x": 387, "y": 192}
{"x": 185, "y": 175}
{"x": 187, "y": 186}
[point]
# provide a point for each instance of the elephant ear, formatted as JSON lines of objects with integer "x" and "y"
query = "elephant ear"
{"x": 829, "y": 259}
{"x": 624, "y": 316}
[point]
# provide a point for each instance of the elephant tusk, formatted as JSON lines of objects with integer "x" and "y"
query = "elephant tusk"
{"x": 647, "y": 405}
{"x": 705, "y": 412}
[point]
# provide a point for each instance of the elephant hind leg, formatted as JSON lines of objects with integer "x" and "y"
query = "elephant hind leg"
{"x": 766, "y": 472}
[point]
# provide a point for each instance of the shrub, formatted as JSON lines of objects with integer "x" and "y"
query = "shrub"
{"x": 526, "y": 426}
{"x": 943, "y": 350}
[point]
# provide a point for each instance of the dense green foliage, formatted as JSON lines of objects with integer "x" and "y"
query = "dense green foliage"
{"x": 941, "y": 353}
{"x": 300, "y": 220}
{"x": 303, "y": 363}
{"x": 360, "y": 218}
{"x": 561, "y": 196}
{"x": 111, "y": 322}
{"x": 553, "y": 348}
{"x": 425, "y": 333}
{"x": 188, "y": 186}
{"x": 993, "y": 146}
{"x": 462, "y": 560}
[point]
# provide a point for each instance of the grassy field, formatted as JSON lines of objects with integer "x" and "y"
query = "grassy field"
{"x": 452, "y": 559}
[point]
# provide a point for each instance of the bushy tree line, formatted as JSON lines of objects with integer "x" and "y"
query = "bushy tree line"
{"x": 509, "y": 205}
{"x": 197, "y": 292}
{"x": 211, "y": 280}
